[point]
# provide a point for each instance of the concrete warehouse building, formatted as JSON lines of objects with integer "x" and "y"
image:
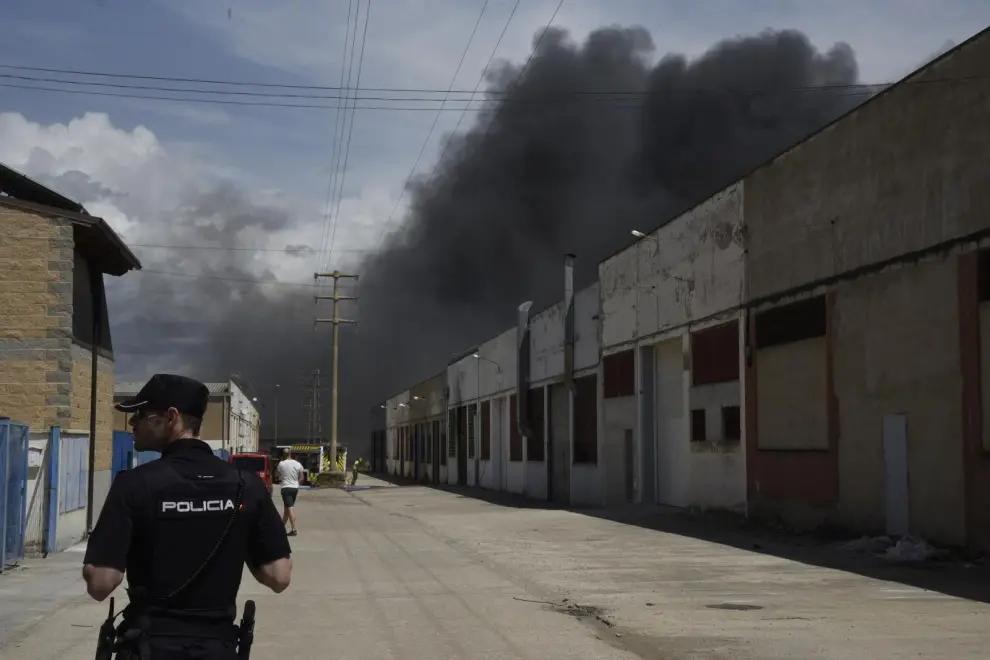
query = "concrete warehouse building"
{"x": 810, "y": 343}
{"x": 419, "y": 417}
{"x": 472, "y": 406}
{"x": 232, "y": 421}
{"x": 54, "y": 320}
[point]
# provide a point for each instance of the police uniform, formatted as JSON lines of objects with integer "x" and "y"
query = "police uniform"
{"x": 182, "y": 528}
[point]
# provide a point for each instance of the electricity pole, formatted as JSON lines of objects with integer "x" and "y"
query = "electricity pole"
{"x": 315, "y": 427}
{"x": 276, "y": 414}
{"x": 336, "y": 321}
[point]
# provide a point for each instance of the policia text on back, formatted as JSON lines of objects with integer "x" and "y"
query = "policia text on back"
{"x": 182, "y": 528}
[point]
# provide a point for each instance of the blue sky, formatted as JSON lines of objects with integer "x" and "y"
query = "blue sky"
{"x": 139, "y": 162}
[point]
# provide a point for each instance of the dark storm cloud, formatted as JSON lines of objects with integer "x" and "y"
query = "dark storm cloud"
{"x": 552, "y": 169}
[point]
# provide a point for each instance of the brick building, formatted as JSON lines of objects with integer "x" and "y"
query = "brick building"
{"x": 53, "y": 258}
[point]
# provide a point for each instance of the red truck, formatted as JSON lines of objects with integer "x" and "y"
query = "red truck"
{"x": 255, "y": 462}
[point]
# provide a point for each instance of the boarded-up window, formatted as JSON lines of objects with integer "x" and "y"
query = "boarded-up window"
{"x": 472, "y": 430}
{"x": 515, "y": 438}
{"x": 699, "y": 427}
{"x": 462, "y": 432}
{"x": 797, "y": 321}
{"x": 791, "y": 376}
{"x": 534, "y": 443}
{"x": 443, "y": 443}
{"x": 83, "y": 279}
{"x": 983, "y": 275}
{"x": 434, "y": 438}
{"x": 731, "y": 424}
{"x": 792, "y": 385}
{"x": 452, "y": 432}
{"x": 586, "y": 419}
{"x": 619, "y": 374}
{"x": 486, "y": 430}
{"x": 715, "y": 354}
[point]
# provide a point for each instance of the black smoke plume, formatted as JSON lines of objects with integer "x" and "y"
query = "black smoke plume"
{"x": 593, "y": 140}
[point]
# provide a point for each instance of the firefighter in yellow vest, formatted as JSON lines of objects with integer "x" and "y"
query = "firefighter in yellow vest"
{"x": 355, "y": 466}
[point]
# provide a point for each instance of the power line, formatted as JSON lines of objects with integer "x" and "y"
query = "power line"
{"x": 220, "y": 248}
{"x": 335, "y": 221}
{"x": 481, "y": 79}
{"x": 247, "y": 280}
{"x": 497, "y": 99}
{"x": 388, "y": 221}
{"x": 255, "y": 104}
{"x": 433, "y": 127}
{"x": 335, "y": 152}
{"x": 292, "y": 285}
{"x": 422, "y": 90}
{"x": 293, "y": 250}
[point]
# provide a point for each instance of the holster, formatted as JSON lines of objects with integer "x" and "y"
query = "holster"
{"x": 245, "y": 632}
{"x": 132, "y": 635}
{"x": 131, "y": 640}
{"x": 108, "y": 636}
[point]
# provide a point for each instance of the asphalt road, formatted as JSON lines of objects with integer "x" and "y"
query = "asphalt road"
{"x": 367, "y": 585}
{"x": 412, "y": 573}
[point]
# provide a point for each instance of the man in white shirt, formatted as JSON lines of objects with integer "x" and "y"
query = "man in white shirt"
{"x": 289, "y": 470}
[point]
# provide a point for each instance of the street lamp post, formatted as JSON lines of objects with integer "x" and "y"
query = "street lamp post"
{"x": 477, "y": 434}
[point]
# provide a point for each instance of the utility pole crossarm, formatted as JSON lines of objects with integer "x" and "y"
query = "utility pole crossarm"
{"x": 335, "y": 275}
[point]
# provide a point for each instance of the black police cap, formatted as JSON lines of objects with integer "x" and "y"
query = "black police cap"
{"x": 164, "y": 391}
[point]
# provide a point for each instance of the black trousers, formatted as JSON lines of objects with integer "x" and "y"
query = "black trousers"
{"x": 187, "y": 648}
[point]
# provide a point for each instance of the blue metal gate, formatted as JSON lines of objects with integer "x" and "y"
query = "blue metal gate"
{"x": 13, "y": 490}
{"x": 123, "y": 453}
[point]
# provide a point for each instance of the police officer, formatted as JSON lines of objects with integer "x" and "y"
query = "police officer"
{"x": 182, "y": 528}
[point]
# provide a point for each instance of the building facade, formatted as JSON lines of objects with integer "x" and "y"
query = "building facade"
{"x": 54, "y": 323}
{"x": 232, "y": 421}
{"x": 865, "y": 397}
{"x": 671, "y": 339}
{"x": 811, "y": 343}
{"x": 416, "y": 428}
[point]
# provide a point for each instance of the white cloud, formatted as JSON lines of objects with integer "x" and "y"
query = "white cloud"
{"x": 138, "y": 185}
{"x": 157, "y": 194}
